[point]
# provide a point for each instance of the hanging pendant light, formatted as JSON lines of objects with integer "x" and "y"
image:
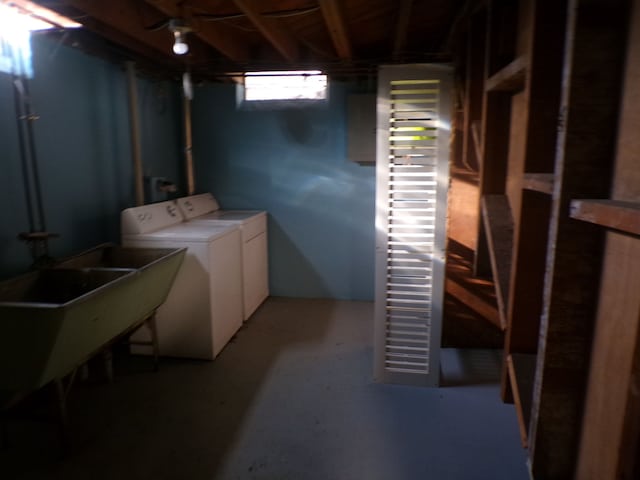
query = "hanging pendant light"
{"x": 179, "y": 28}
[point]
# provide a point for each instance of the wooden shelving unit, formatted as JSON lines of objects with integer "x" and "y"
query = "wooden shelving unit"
{"x": 547, "y": 133}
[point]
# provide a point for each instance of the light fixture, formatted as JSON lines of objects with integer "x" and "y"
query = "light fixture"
{"x": 180, "y": 28}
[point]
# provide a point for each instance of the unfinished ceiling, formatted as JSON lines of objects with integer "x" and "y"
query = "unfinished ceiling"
{"x": 229, "y": 36}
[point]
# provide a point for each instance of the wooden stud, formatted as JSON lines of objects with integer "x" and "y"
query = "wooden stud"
{"x": 589, "y": 114}
{"x": 610, "y": 438}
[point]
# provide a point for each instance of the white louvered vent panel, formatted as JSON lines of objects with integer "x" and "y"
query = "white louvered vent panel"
{"x": 411, "y": 228}
{"x": 410, "y": 159}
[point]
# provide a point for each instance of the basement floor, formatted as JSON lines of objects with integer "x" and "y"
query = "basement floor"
{"x": 290, "y": 398}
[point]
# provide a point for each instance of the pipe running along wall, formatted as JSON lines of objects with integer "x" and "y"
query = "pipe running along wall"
{"x": 187, "y": 95}
{"x": 135, "y": 133}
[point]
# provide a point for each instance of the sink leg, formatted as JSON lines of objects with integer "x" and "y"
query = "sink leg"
{"x": 107, "y": 359}
{"x": 151, "y": 322}
{"x": 62, "y": 392}
{"x": 4, "y": 436}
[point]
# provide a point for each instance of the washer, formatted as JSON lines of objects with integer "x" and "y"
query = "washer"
{"x": 204, "y": 307}
{"x": 204, "y": 208}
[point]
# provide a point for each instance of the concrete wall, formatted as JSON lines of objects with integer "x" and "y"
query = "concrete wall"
{"x": 292, "y": 162}
{"x": 83, "y": 148}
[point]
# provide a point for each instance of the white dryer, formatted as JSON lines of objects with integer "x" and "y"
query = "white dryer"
{"x": 204, "y": 307}
{"x": 204, "y": 208}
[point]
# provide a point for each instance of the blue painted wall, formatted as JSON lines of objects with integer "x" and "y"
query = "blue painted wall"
{"x": 84, "y": 150}
{"x": 292, "y": 163}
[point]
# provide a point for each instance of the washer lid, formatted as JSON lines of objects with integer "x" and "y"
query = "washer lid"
{"x": 188, "y": 232}
{"x": 230, "y": 216}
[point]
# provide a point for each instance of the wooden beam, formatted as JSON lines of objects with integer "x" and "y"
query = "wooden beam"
{"x": 616, "y": 214}
{"x": 271, "y": 29}
{"x": 218, "y": 35}
{"x": 473, "y": 301}
{"x": 498, "y": 225}
{"x": 538, "y": 182}
{"x": 333, "y": 17}
{"x": 510, "y": 78}
{"x": 125, "y": 21}
{"x": 402, "y": 28}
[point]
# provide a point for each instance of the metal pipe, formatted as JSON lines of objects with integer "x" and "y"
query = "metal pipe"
{"x": 135, "y": 133}
{"x": 19, "y": 108}
{"x": 30, "y": 118}
{"x": 188, "y": 145}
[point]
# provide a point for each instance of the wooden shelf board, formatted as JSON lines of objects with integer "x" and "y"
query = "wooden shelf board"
{"x": 538, "y": 182}
{"x": 616, "y": 214}
{"x": 522, "y": 370}
{"x": 498, "y": 224}
{"x": 510, "y": 79}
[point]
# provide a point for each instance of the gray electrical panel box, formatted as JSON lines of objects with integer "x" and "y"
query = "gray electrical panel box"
{"x": 361, "y": 128}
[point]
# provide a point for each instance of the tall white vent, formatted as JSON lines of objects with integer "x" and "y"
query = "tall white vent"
{"x": 413, "y": 132}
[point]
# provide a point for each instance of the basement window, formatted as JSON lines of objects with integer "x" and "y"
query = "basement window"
{"x": 18, "y": 18}
{"x": 288, "y": 87}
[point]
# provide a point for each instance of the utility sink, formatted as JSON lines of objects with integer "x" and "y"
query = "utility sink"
{"x": 55, "y": 319}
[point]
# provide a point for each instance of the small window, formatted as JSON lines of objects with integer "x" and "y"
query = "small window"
{"x": 309, "y": 85}
{"x": 17, "y": 21}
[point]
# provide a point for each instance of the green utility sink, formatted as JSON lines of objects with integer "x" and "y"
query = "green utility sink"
{"x": 53, "y": 320}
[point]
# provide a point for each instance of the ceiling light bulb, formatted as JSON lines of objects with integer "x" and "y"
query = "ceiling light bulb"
{"x": 180, "y": 47}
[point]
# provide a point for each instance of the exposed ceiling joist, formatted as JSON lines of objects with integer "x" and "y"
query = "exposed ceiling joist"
{"x": 223, "y": 38}
{"x": 271, "y": 29}
{"x": 126, "y": 18}
{"x": 402, "y": 28}
{"x": 333, "y": 17}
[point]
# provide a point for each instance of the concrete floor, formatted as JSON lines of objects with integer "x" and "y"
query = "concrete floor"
{"x": 291, "y": 397}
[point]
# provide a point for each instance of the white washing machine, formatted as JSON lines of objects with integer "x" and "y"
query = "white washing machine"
{"x": 204, "y": 208}
{"x": 204, "y": 307}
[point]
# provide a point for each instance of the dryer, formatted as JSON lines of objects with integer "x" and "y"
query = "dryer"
{"x": 204, "y": 208}
{"x": 204, "y": 307}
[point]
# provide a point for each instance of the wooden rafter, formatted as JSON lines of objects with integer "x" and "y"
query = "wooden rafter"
{"x": 220, "y": 36}
{"x": 333, "y": 17}
{"x": 271, "y": 29}
{"x": 126, "y": 25}
{"x": 402, "y": 28}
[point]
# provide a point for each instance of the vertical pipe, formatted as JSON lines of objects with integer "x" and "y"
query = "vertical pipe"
{"x": 135, "y": 133}
{"x": 24, "y": 154}
{"x": 30, "y": 117}
{"x": 188, "y": 145}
